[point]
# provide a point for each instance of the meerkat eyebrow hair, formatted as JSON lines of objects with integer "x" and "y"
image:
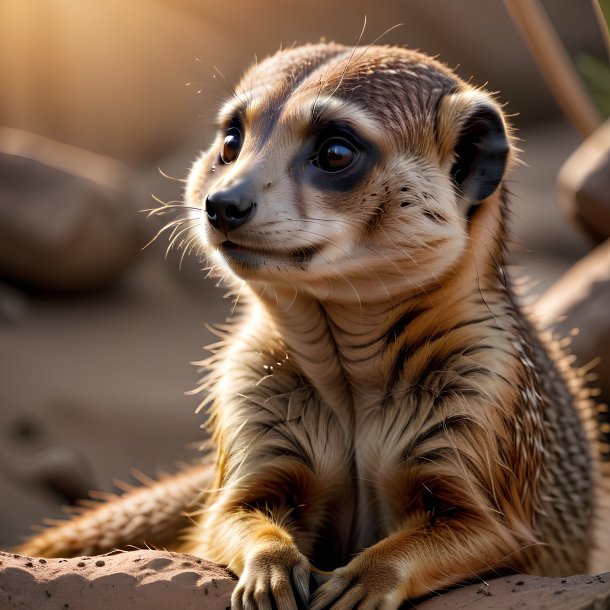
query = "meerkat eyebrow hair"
{"x": 233, "y": 110}
{"x": 324, "y": 127}
{"x": 331, "y": 111}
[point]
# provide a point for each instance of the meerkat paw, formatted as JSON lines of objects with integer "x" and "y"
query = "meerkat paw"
{"x": 362, "y": 584}
{"x": 274, "y": 576}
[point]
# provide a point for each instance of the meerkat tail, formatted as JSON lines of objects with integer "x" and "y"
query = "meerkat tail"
{"x": 147, "y": 516}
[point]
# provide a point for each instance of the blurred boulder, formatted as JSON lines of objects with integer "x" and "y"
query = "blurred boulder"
{"x": 584, "y": 183}
{"x": 67, "y": 219}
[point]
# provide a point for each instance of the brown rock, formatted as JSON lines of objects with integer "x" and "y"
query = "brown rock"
{"x": 66, "y": 219}
{"x": 528, "y": 593}
{"x": 149, "y": 580}
{"x": 584, "y": 183}
{"x": 138, "y": 580}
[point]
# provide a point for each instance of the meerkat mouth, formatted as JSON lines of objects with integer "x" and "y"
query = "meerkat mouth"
{"x": 251, "y": 257}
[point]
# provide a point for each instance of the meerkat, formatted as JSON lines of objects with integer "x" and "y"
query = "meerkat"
{"x": 386, "y": 420}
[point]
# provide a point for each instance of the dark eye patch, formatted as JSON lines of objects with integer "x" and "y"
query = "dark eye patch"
{"x": 338, "y": 158}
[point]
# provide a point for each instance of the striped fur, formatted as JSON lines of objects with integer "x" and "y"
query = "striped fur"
{"x": 384, "y": 410}
{"x": 384, "y": 415}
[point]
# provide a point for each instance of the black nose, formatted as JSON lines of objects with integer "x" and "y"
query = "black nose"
{"x": 230, "y": 208}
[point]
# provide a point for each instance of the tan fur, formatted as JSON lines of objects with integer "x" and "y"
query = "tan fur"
{"x": 383, "y": 414}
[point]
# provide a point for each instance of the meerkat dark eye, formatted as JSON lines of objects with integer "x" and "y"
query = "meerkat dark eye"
{"x": 231, "y": 145}
{"x": 335, "y": 155}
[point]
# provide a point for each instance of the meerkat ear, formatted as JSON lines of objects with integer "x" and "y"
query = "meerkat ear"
{"x": 473, "y": 131}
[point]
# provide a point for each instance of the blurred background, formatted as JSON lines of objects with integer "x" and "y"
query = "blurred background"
{"x": 105, "y": 103}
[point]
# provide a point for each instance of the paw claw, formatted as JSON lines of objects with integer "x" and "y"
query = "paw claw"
{"x": 355, "y": 586}
{"x": 300, "y": 575}
{"x": 261, "y": 599}
{"x": 271, "y": 580}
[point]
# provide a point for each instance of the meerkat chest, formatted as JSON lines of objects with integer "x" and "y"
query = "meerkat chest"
{"x": 361, "y": 464}
{"x": 388, "y": 484}
{"x": 377, "y": 486}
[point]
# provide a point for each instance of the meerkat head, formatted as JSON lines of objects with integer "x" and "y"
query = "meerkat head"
{"x": 346, "y": 171}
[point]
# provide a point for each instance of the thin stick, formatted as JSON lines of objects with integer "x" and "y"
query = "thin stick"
{"x": 546, "y": 48}
{"x": 601, "y": 19}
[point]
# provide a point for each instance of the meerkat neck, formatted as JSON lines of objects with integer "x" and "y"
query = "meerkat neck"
{"x": 310, "y": 336}
{"x": 348, "y": 349}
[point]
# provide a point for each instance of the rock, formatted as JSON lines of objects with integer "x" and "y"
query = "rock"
{"x": 528, "y": 593}
{"x": 138, "y": 580}
{"x": 584, "y": 183}
{"x": 150, "y": 580}
{"x": 67, "y": 222}
{"x": 13, "y": 304}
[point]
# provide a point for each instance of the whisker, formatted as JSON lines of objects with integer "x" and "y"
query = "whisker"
{"x": 173, "y": 178}
{"x": 186, "y": 230}
{"x": 166, "y": 227}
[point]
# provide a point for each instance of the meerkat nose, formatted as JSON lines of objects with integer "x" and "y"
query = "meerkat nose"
{"x": 230, "y": 208}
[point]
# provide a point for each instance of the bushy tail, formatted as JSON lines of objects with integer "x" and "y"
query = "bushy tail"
{"x": 147, "y": 516}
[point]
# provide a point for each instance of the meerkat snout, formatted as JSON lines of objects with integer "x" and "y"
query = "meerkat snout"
{"x": 231, "y": 205}
{"x": 228, "y": 209}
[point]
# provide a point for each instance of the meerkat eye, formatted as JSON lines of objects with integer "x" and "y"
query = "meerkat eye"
{"x": 231, "y": 145}
{"x": 335, "y": 155}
